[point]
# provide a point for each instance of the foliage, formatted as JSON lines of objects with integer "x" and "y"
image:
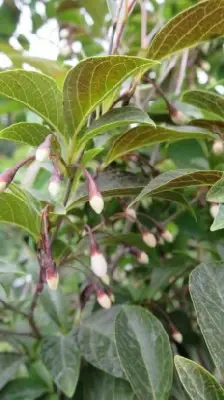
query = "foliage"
{"x": 111, "y": 192}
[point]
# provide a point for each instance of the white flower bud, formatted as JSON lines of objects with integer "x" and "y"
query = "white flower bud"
{"x": 104, "y": 300}
{"x": 167, "y": 236}
{"x": 161, "y": 241}
{"x": 42, "y": 154}
{"x": 218, "y": 147}
{"x": 3, "y": 186}
{"x": 177, "y": 336}
{"x": 149, "y": 239}
{"x": 98, "y": 264}
{"x": 97, "y": 203}
{"x": 105, "y": 279}
{"x": 131, "y": 214}
{"x": 52, "y": 279}
{"x": 214, "y": 209}
{"x": 142, "y": 257}
{"x": 178, "y": 117}
{"x": 54, "y": 188}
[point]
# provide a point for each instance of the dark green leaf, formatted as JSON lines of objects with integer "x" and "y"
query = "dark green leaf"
{"x": 210, "y": 125}
{"x": 55, "y": 305}
{"x": 25, "y": 132}
{"x": 23, "y": 389}
{"x": 9, "y": 364}
{"x": 208, "y": 101}
{"x": 144, "y": 351}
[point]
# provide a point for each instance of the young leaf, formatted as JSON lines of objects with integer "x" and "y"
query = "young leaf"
{"x": 114, "y": 118}
{"x": 216, "y": 193}
{"x": 198, "y": 382}
{"x": 207, "y": 292}
{"x": 140, "y": 336}
{"x": 178, "y": 179}
{"x": 25, "y": 132}
{"x": 9, "y": 364}
{"x": 36, "y": 91}
{"x": 63, "y": 361}
{"x": 111, "y": 183}
{"x": 91, "y": 81}
{"x": 218, "y": 222}
{"x": 142, "y": 136}
{"x": 201, "y": 22}
{"x": 95, "y": 340}
{"x": 205, "y": 100}
{"x": 23, "y": 388}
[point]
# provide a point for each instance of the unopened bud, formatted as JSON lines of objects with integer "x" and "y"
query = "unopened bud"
{"x": 167, "y": 236}
{"x": 6, "y": 177}
{"x": 177, "y": 336}
{"x": 218, "y": 147}
{"x": 54, "y": 186}
{"x": 177, "y": 116}
{"x": 142, "y": 257}
{"x": 148, "y": 238}
{"x": 105, "y": 279}
{"x": 214, "y": 209}
{"x": 52, "y": 278}
{"x": 43, "y": 151}
{"x": 98, "y": 264}
{"x": 95, "y": 198}
{"x": 103, "y": 299}
{"x": 161, "y": 240}
{"x": 3, "y": 186}
{"x": 130, "y": 213}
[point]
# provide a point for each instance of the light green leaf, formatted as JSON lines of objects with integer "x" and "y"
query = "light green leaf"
{"x": 25, "y": 132}
{"x": 91, "y": 81}
{"x": 112, "y": 183}
{"x": 142, "y": 136}
{"x": 205, "y": 100}
{"x": 207, "y": 292}
{"x": 23, "y": 389}
{"x": 114, "y": 118}
{"x": 62, "y": 359}
{"x": 211, "y": 125}
{"x": 178, "y": 179}
{"x": 192, "y": 26}
{"x": 89, "y": 155}
{"x": 199, "y": 383}
{"x": 218, "y": 222}
{"x": 9, "y": 364}
{"x": 17, "y": 211}
{"x": 36, "y": 91}
{"x": 10, "y": 269}
{"x": 95, "y": 340}
{"x": 216, "y": 193}
{"x": 144, "y": 351}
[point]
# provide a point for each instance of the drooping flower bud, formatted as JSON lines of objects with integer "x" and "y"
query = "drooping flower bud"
{"x": 103, "y": 299}
{"x": 8, "y": 175}
{"x": 177, "y": 336}
{"x": 95, "y": 197}
{"x": 4, "y": 182}
{"x": 130, "y": 213}
{"x": 54, "y": 186}
{"x": 98, "y": 261}
{"x": 52, "y": 278}
{"x": 167, "y": 236}
{"x": 44, "y": 150}
{"x": 148, "y": 237}
{"x": 177, "y": 116}
{"x": 105, "y": 279}
{"x": 218, "y": 147}
{"x": 141, "y": 256}
{"x": 160, "y": 240}
{"x": 214, "y": 209}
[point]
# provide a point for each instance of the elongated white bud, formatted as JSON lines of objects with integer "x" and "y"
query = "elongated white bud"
{"x": 54, "y": 186}
{"x": 130, "y": 213}
{"x": 3, "y": 186}
{"x": 43, "y": 151}
{"x": 103, "y": 299}
{"x": 177, "y": 336}
{"x": 178, "y": 118}
{"x": 142, "y": 257}
{"x": 167, "y": 236}
{"x": 98, "y": 264}
{"x": 95, "y": 197}
{"x": 149, "y": 238}
{"x": 52, "y": 278}
{"x": 218, "y": 147}
{"x": 214, "y": 209}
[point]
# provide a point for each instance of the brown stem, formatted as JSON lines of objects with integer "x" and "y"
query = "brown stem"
{"x": 122, "y": 26}
{"x": 12, "y": 308}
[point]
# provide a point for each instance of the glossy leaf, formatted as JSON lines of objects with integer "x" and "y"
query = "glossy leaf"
{"x": 91, "y": 81}
{"x": 178, "y": 179}
{"x": 111, "y": 183}
{"x": 140, "y": 336}
{"x": 207, "y": 292}
{"x": 205, "y": 100}
{"x": 142, "y": 136}
{"x": 114, "y": 118}
{"x": 23, "y": 389}
{"x": 36, "y": 91}
{"x": 199, "y": 383}
{"x": 62, "y": 359}
{"x": 9, "y": 364}
{"x": 194, "y": 25}
{"x": 95, "y": 340}
{"x": 218, "y": 222}
{"x": 25, "y": 132}
{"x": 216, "y": 193}
{"x": 211, "y": 125}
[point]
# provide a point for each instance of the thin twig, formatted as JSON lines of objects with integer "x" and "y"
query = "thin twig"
{"x": 12, "y": 308}
{"x": 122, "y": 25}
{"x": 9, "y": 332}
{"x": 182, "y": 73}
{"x": 144, "y": 43}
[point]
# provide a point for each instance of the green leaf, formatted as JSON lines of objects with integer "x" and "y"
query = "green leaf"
{"x": 27, "y": 218}
{"x": 176, "y": 197}
{"x": 98, "y": 385}
{"x": 63, "y": 361}
{"x": 205, "y": 100}
{"x": 95, "y": 340}
{"x": 199, "y": 383}
{"x": 211, "y": 125}
{"x": 114, "y": 118}
{"x": 6, "y": 268}
{"x": 112, "y": 183}
{"x": 207, "y": 292}
{"x": 91, "y": 81}
{"x": 25, "y": 132}
{"x": 178, "y": 179}
{"x": 36, "y": 91}
{"x": 9, "y": 364}
{"x": 142, "y": 136}
{"x": 89, "y": 155}
{"x": 194, "y": 25}
{"x": 144, "y": 351}
{"x": 23, "y": 389}
{"x": 216, "y": 193}
{"x": 55, "y": 305}
{"x": 218, "y": 222}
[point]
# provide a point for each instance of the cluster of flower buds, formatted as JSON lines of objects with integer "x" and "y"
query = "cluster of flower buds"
{"x": 218, "y": 147}
{"x": 141, "y": 256}
{"x": 44, "y": 150}
{"x": 95, "y": 197}
{"x": 7, "y": 176}
{"x": 177, "y": 116}
{"x": 214, "y": 209}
